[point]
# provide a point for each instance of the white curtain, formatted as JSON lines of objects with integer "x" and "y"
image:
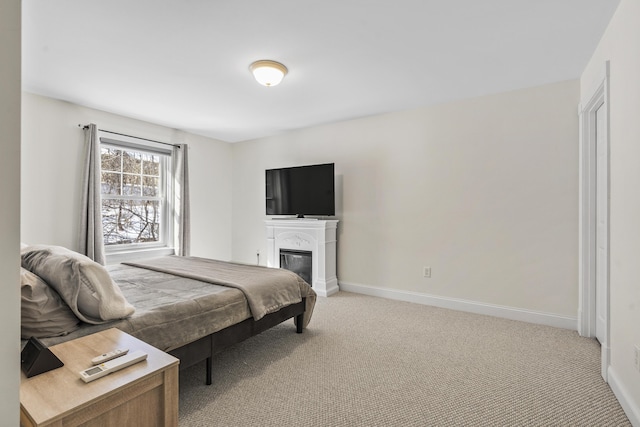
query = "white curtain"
{"x": 182, "y": 223}
{"x": 91, "y": 237}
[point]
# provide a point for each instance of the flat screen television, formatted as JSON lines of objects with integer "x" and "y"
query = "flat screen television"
{"x": 301, "y": 190}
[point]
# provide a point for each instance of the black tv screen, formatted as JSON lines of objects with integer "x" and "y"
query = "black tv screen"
{"x": 301, "y": 190}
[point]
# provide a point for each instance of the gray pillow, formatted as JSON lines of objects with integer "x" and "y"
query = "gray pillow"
{"x": 44, "y": 314}
{"x": 82, "y": 283}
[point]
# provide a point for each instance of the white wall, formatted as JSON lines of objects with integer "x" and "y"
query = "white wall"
{"x": 621, "y": 45}
{"x": 9, "y": 211}
{"x": 52, "y": 156}
{"x": 484, "y": 191}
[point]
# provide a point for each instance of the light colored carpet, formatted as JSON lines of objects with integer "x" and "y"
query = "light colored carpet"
{"x": 367, "y": 361}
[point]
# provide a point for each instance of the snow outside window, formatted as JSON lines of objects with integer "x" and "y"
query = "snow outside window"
{"x": 135, "y": 202}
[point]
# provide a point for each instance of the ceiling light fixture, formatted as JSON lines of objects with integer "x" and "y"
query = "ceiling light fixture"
{"x": 268, "y": 73}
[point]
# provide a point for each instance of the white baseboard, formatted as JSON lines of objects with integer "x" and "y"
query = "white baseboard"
{"x": 512, "y": 313}
{"x": 630, "y": 408}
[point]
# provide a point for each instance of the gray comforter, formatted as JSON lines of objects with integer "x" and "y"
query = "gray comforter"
{"x": 172, "y": 310}
{"x": 267, "y": 290}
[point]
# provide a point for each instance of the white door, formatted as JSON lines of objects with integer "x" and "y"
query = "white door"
{"x": 602, "y": 229}
{"x": 594, "y": 219}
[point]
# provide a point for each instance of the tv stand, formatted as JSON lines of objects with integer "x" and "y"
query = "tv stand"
{"x": 307, "y": 234}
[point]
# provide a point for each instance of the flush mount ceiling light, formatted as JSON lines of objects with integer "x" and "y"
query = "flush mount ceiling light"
{"x": 268, "y": 73}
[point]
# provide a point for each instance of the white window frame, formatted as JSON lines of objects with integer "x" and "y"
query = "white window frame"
{"x": 124, "y": 251}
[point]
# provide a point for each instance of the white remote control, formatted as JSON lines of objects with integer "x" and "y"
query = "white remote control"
{"x": 108, "y": 356}
{"x": 114, "y": 365}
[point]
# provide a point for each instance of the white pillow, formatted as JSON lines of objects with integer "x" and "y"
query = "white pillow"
{"x": 43, "y": 312}
{"x": 82, "y": 283}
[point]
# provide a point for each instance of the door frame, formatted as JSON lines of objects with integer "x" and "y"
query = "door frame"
{"x": 587, "y": 220}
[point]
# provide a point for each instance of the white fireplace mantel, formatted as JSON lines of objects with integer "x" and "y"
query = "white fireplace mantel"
{"x": 316, "y": 236}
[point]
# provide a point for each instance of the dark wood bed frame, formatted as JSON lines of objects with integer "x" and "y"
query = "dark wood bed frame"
{"x": 205, "y": 348}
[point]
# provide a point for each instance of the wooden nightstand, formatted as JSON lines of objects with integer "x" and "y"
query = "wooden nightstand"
{"x": 145, "y": 394}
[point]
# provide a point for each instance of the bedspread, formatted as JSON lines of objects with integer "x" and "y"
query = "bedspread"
{"x": 267, "y": 289}
{"x": 172, "y": 311}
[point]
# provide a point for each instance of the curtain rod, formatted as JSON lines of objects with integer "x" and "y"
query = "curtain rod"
{"x": 85, "y": 127}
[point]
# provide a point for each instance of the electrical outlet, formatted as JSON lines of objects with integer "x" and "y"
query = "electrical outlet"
{"x": 426, "y": 271}
{"x": 637, "y": 357}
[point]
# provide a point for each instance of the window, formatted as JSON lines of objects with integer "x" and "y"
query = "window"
{"x": 136, "y": 202}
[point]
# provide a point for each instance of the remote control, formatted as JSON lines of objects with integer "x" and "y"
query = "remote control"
{"x": 108, "y": 356}
{"x": 114, "y": 365}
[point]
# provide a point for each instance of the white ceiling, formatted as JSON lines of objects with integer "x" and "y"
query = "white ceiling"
{"x": 184, "y": 63}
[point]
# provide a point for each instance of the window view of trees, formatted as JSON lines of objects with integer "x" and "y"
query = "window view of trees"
{"x": 131, "y": 196}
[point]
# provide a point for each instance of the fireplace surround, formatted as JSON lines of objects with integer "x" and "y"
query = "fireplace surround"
{"x": 306, "y": 235}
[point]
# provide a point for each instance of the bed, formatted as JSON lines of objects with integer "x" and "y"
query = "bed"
{"x": 189, "y": 307}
